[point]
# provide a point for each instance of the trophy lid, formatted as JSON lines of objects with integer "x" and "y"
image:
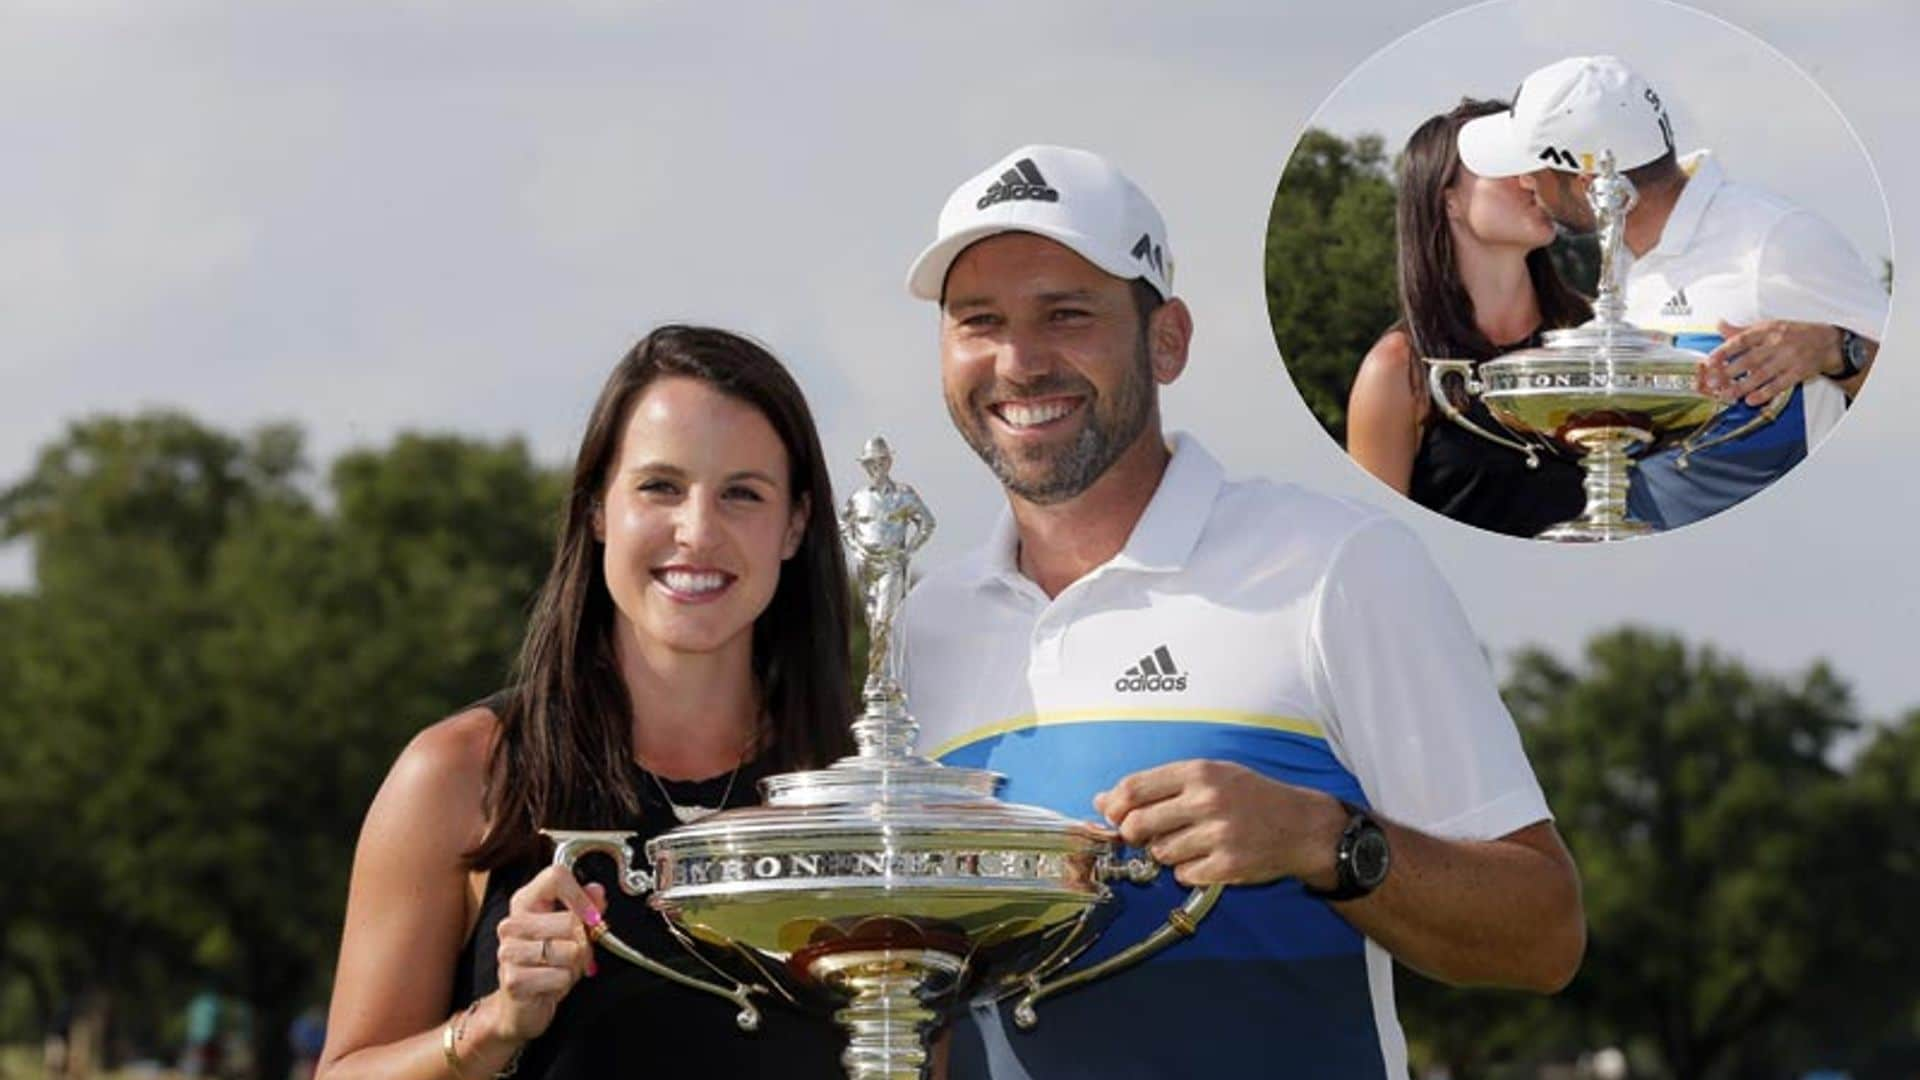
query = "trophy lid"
{"x": 1600, "y": 344}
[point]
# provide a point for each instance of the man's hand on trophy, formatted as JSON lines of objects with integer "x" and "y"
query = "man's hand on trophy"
{"x": 1215, "y": 822}
{"x": 545, "y": 947}
{"x": 1757, "y": 363}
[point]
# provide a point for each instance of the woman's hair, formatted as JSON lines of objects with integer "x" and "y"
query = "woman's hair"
{"x": 564, "y": 756}
{"x": 1435, "y": 310}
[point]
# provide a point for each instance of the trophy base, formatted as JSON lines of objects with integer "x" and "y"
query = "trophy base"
{"x": 887, "y": 1018}
{"x": 1582, "y": 531}
{"x": 1608, "y": 462}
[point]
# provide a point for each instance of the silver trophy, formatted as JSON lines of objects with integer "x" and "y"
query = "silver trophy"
{"x": 1605, "y": 391}
{"x": 885, "y": 890}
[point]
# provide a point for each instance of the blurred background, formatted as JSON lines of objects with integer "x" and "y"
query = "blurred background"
{"x": 302, "y": 309}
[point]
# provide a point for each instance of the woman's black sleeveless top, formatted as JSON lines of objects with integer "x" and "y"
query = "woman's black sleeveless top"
{"x": 625, "y": 1022}
{"x": 1488, "y": 485}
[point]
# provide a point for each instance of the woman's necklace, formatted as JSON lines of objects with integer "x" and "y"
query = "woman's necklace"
{"x": 692, "y": 813}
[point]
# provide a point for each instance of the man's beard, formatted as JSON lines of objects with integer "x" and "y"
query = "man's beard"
{"x": 1072, "y": 468}
{"x": 1568, "y": 210}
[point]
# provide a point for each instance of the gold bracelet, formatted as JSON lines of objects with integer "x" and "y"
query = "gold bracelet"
{"x": 449, "y": 1037}
{"x": 456, "y": 1030}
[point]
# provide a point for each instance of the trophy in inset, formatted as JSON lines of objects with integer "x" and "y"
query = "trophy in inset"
{"x": 886, "y": 889}
{"x": 1605, "y": 391}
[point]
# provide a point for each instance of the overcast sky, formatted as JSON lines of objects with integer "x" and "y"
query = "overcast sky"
{"x": 458, "y": 215}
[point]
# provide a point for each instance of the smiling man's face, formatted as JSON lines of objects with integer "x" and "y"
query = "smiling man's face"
{"x": 1044, "y": 362}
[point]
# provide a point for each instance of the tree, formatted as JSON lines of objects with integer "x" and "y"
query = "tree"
{"x": 107, "y": 705}
{"x": 1329, "y": 266}
{"x": 1697, "y": 799}
{"x": 211, "y": 675}
{"x": 1867, "y": 846}
{"x": 1737, "y": 881}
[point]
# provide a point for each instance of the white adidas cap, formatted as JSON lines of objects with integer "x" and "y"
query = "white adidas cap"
{"x": 1070, "y": 196}
{"x": 1565, "y": 116}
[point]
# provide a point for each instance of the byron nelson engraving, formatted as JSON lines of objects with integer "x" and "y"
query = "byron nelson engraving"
{"x": 988, "y": 864}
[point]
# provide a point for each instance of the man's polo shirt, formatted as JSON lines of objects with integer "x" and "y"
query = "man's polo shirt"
{"x": 1735, "y": 253}
{"x": 1306, "y": 637}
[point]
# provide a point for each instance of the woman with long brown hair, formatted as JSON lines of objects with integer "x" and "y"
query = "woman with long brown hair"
{"x": 1475, "y": 281}
{"x": 691, "y": 638}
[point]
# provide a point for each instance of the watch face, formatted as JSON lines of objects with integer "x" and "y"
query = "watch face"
{"x": 1370, "y": 857}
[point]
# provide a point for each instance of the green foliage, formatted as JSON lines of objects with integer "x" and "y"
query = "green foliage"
{"x": 1735, "y": 879}
{"x": 1577, "y": 260}
{"x": 1329, "y": 266}
{"x": 213, "y": 672}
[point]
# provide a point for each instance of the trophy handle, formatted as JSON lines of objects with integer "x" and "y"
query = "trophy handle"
{"x": 570, "y": 845}
{"x": 1768, "y": 413}
{"x": 1181, "y": 923}
{"x": 1437, "y": 371}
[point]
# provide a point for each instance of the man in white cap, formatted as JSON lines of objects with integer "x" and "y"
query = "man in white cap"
{"x": 1782, "y": 301}
{"x": 1259, "y": 685}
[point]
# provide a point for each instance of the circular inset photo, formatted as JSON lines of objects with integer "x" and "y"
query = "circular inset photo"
{"x": 1578, "y": 272}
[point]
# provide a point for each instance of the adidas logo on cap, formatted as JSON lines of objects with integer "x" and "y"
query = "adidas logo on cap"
{"x": 1075, "y": 198}
{"x": 1023, "y": 181}
{"x": 1154, "y": 672}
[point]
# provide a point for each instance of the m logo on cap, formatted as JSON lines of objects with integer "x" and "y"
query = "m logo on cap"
{"x": 1149, "y": 252}
{"x": 1559, "y": 156}
{"x": 1660, "y": 111}
{"x": 1023, "y": 181}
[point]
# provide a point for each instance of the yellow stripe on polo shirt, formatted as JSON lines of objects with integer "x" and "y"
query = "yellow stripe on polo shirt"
{"x": 1290, "y": 724}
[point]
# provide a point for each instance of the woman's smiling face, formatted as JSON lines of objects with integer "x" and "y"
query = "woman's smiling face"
{"x": 696, "y": 519}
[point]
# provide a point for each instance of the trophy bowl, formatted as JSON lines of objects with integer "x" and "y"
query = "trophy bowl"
{"x": 1602, "y": 392}
{"x": 886, "y": 890}
{"x": 1572, "y": 386}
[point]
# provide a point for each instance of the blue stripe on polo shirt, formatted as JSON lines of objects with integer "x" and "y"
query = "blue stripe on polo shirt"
{"x": 1061, "y": 766}
{"x": 1667, "y": 496}
{"x": 1270, "y": 967}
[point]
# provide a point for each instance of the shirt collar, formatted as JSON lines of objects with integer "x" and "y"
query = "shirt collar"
{"x": 1704, "y": 178}
{"x": 1162, "y": 540}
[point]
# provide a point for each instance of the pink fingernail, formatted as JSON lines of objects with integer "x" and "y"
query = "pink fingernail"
{"x": 592, "y": 917}
{"x": 592, "y": 968}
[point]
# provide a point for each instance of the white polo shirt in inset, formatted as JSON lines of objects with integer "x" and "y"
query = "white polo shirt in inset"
{"x": 1306, "y": 637}
{"x": 1732, "y": 252}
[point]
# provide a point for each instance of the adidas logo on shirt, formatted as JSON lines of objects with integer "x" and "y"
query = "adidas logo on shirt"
{"x": 1155, "y": 671}
{"x": 1023, "y": 181}
{"x": 1677, "y": 304}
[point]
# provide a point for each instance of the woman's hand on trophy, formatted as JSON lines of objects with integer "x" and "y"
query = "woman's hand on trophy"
{"x": 545, "y": 948}
{"x": 1219, "y": 823}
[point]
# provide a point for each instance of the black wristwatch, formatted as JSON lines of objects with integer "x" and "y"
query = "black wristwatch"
{"x": 1853, "y": 355}
{"x": 1361, "y": 859}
